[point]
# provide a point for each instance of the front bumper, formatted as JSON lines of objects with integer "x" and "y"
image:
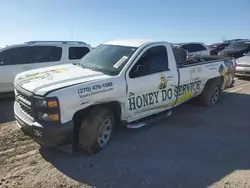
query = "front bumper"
{"x": 49, "y": 135}
{"x": 242, "y": 71}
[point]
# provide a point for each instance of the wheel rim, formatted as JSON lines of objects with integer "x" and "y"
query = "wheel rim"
{"x": 104, "y": 132}
{"x": 215, "y": 95}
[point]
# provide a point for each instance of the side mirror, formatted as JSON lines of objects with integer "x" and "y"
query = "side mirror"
{"x": 137, "y": 68}
{"x": 137, "y": 71}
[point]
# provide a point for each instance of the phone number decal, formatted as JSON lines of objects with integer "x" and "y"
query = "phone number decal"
{"x": 95, "y": 89}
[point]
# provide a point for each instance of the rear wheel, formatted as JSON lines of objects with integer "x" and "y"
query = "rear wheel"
{"x": 211, "y": 93}
{"x": 96, "y": 130}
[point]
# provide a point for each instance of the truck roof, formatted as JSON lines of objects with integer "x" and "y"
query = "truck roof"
{"x": 188, "y": 43}
{"x": 131, "y": 42}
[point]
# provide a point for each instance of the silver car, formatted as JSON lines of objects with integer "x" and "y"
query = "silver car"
{"x": 243, "y": 65}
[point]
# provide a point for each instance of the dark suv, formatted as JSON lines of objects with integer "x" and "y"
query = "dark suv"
{"x": 217, "y": 47}
{"x": 236, "y": 49}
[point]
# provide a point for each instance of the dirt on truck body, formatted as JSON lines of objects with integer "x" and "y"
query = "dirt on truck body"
{"x": 195, "y": 147}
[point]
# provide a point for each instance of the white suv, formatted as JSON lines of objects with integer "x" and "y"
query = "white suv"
{"x": 194, "y": 48}
{"x": 15, "y": 59}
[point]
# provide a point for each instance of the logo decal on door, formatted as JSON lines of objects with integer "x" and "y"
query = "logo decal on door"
{"x": 183, "y": 92}
{"x": 163, "y": 83}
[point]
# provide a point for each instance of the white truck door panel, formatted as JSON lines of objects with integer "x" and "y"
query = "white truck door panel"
{"x": 152, "y": 91}
{"x": 190, "y": 82}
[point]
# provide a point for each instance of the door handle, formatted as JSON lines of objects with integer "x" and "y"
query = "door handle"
{"x": 170, "y": 77}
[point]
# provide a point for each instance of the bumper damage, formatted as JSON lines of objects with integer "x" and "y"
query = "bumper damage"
{"x": 48, "y": 135}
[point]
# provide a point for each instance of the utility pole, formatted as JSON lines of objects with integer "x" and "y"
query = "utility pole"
{"x": 72, "y": 34}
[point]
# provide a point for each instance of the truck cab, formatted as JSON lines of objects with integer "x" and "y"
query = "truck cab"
{"x": 117, "y": 83}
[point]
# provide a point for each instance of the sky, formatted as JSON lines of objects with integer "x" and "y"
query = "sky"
{"x": 97, "y": 21}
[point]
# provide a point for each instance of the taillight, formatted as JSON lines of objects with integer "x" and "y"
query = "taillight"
{"x": 211, "y": 52}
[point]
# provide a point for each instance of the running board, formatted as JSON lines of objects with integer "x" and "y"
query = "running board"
{"x": 137, "y": 125}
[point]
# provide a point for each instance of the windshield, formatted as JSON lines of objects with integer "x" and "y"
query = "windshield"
{"x": 237, "y": 45}
{"x": 109, "y": 59}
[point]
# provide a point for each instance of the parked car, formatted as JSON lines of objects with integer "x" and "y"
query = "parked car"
{"x": 117, "y": 83}
{"x": 217, "y": 47}
{"x": 234, "y": 40}
{"x": 15, "y": 59}
{"x": 236, "y": 49}
{"x": 243, "y": 65}
{"x": 194, "y": 48}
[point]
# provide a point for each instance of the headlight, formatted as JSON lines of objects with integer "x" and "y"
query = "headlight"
{"x": 41, "y": 103}
{"x": 48, "y": 117}
{"x": 49, "y": 103}
{"x": 47, "y": 109}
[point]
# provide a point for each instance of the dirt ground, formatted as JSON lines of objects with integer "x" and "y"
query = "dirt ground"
{"x": 194, "y": 147}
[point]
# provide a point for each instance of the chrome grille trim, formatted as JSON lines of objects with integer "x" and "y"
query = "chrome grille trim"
{"x": 24, "y": 103}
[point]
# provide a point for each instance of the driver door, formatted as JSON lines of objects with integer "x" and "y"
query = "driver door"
{"x": 149, "y": 83}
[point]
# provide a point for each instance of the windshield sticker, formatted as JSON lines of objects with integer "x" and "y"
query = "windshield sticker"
{"x": 95, "y": 89}
{"x": 39, "y": 76}
{"x": 147, "y": 99}
{"x": 120, "y": 62}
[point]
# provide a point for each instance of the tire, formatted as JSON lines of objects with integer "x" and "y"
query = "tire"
{"x": 95, "y": 122}
{"x": 211, "y": 93}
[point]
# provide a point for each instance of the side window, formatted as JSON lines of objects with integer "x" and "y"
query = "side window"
{"x": 77, "y": 52}
{"x": 39, "y": 54}
{"x": 27, "y": 55}
{"x": 193, "y": 47}
{"x": 14, "y": 56}
{"x": 248, "y": 46}
{"x": 186, "y": 47}
{"x": 152, "y": 61}
{"x": 199, "y": 47}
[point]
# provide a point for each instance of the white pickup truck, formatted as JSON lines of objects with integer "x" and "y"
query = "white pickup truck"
{"x": 118, "y": 83}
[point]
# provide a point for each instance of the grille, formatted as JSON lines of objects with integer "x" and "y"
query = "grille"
{"x": 22, "y": 96}
{"x": 25, "y": 109}
{"x": 24, "y": 103}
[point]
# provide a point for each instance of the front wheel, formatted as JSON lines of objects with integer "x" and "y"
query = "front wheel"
{"x": 96, "y": 130}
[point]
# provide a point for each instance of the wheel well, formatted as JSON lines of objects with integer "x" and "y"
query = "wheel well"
{"x": 115, "y": 106}
{"x": 214, "y": 79}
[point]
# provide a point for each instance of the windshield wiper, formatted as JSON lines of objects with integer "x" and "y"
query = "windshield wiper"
{"x": 76, "y": 63}
{"x": 86, "y": 67}
{"x": 91, "y": 68}
{"x": 94, "y": 69}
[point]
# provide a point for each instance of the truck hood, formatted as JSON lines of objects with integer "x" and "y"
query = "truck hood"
{"x": 40, "y": 81}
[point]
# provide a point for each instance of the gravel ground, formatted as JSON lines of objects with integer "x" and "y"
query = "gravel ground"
{"x": 194, "y": 147}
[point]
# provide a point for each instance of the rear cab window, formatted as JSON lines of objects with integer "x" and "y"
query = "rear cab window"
{"x": 193, "y": 47}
